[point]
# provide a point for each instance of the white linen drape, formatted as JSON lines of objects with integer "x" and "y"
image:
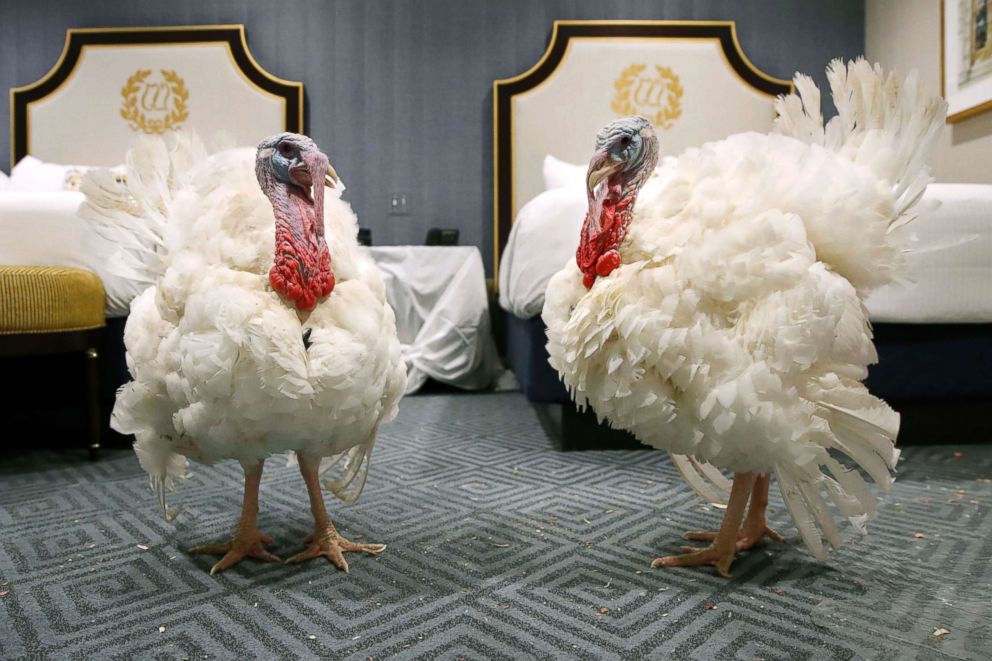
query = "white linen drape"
{"x": 442, "y": 313}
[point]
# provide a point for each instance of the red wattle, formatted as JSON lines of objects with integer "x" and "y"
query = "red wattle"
{"x": 607, "y": 262}
{"x": 306, "y": 301}
{"x": 302, "y": 269}
{"x": 277, "y": 281}
{"x": 598, "y": 253}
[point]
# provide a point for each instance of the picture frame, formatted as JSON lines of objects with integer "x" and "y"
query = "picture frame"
{"x": 966, "y": 57}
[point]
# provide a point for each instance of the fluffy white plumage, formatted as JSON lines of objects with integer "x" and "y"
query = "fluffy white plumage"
{"x": 733, "y": 332}
{"x": 219, "y": 367}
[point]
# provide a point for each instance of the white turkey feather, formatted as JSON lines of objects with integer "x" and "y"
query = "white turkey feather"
{"x": 707, "y": 481}
{"x": 733, "y": 331}
{"x": 132, "y": 211}
{"x": 218, "y": 361}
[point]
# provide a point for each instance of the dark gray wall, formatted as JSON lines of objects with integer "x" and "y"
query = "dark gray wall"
{"x": 399, "y": 94}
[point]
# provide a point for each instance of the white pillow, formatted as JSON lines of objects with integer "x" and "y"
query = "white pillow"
{"x": 544, "y": 237}
{"x": 4, "y": 181}
{"x": 31, "y": 175}
{"x": 559, "y": 174}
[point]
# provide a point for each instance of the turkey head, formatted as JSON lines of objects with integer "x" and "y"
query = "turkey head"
{"x": 292, "y": 173}
{"x": 626, "y": 155}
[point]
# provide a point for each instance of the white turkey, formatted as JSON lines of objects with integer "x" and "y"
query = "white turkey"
{"x": 254, "y": 337}
{"x": 720, "y": 317}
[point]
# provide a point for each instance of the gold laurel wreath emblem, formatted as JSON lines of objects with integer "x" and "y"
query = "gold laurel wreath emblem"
{"x": 625, "y": 104}
{"x": 138, "y": 120}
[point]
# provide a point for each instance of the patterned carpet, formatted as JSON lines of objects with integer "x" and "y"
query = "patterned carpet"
{"x": 499, "y": 547}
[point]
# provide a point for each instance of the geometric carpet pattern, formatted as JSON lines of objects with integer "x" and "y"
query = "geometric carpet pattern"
{"x": 499, "y": 547}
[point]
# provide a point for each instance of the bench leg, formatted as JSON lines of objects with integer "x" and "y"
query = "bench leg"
{"x": 93, "y": 402}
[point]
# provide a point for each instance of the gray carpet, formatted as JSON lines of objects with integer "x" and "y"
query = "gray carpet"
{"x": 499, "y": 547}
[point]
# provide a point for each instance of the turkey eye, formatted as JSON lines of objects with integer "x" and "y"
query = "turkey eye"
{"x": 624, "y": 141}
{"x": 285, "y": 149}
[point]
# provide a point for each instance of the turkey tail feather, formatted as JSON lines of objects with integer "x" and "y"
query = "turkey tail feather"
{"x": 887, "y": 124}
{"x": 890, "y": 126}
{"x": 859, "y": 436}
{"x": 132, "y": 210}
{"x": 163, "y": 466}
{"x": 354, "y": 471}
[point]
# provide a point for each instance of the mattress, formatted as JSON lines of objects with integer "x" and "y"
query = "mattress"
{"x": 43, "y": 229}
{"x": 950, "y": 271}
{"x": 949, "y": 274}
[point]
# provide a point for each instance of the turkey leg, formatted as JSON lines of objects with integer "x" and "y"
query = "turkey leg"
{"x": 755, "y": 527}
{"x": 325, "y": 539}
{"x": 721, "y": 552}
{"x": 247, "y": 541}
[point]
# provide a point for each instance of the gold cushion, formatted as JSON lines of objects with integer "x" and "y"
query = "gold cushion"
{"x": 49, "y": 299}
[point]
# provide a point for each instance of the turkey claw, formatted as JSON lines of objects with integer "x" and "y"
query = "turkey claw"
{"x": 747, "y": 538}
{"x": 750, "y": 537}
{"x": 694, "y": 557}
{"x": 236, "y": 550}
{"x": 328, "y": 543}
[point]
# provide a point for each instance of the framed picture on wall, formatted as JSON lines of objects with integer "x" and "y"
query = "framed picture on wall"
{"x": 966, "y": 38}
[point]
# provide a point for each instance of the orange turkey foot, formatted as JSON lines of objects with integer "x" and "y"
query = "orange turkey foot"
{"x": 325, "y": 541}
{"x": 721, "y": 558}
{"x": 748, "y": 537}
{"x": 243, "y": 545}
{"x": 752, "y": 533}
{"x": 723, "y": 550}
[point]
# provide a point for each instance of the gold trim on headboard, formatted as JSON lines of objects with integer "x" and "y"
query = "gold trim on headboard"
{"x": 563, "y": 33}
{"x": 77, "y": 39}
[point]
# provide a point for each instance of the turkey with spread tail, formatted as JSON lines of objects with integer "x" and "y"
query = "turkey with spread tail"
{"x": 715, "y": 309}
{"x": 253, "y": 337}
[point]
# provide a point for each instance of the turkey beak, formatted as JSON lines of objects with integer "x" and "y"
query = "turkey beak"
{"x": 331, "y": 178}
{"x": 601, "y": 166}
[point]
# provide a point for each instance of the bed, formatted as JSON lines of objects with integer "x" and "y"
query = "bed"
{"x": 934, "y": 335}
{"x": 108, "y": 87}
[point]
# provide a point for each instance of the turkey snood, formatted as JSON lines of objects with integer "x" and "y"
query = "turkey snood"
{"x": 302, "y": 270}
{"x": 626, "y": 154}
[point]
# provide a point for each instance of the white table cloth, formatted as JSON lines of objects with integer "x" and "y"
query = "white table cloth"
{"x": 442, "y": 313}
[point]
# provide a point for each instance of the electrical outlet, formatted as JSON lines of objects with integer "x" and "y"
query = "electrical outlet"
{"x": 398, "y": 204}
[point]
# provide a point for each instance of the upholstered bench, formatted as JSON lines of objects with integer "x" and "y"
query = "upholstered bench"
{"x": 51, "y": 309}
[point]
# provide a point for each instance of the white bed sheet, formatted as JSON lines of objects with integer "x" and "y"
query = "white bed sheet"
{"x": 43, "y": 229}
{"x": 949, "y": 285}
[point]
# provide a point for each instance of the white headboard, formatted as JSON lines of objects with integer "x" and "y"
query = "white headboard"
{"x": 689, "y": 77}
{"x": 112, "y": 84}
